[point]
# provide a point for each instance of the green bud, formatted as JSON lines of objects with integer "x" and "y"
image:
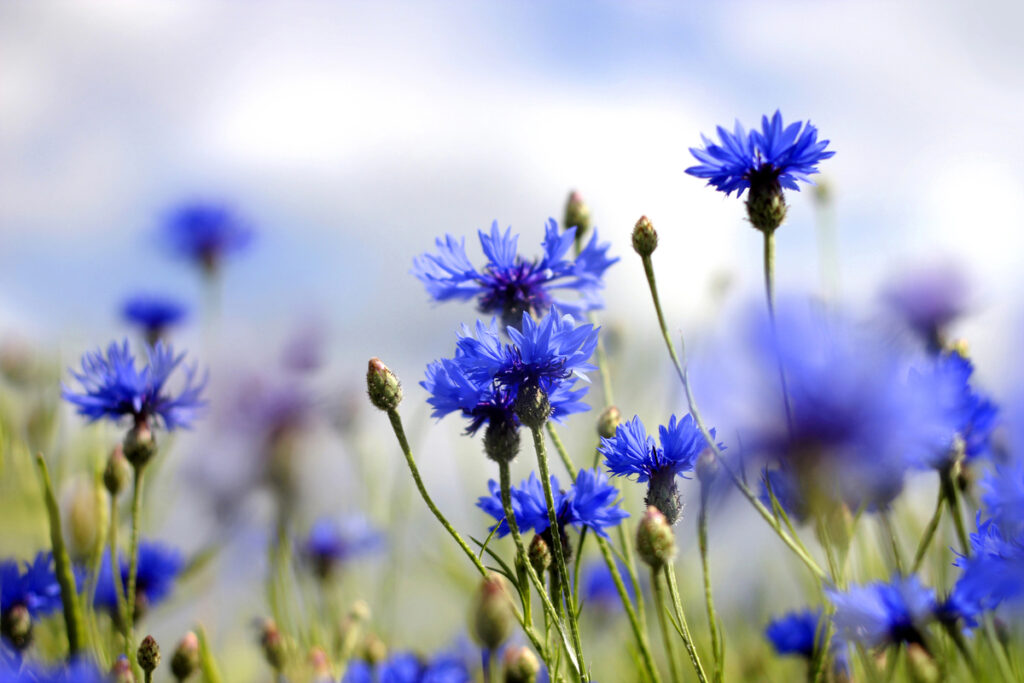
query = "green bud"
{"x": 577, "y": 215}
{"x": 663, "y": 494}
{"x": 532, "y": 406}
{"x": 273, "y": 645}
{"x": 655, "y": 542}
{"x": 149, "y": 654}
{"x": 540, "y": 554}
{"x": 645, "y": 239}
{"x": 492, "y": 619}
{"x": 139, "y": 445}
{"x": 383, "y": 387}
{"x": 185, "y": 659}
{"x": 521, "y": 665}
{"x": 501, "y": 441}
{"x": 766, "y": 204}
{"x": 121, "y": 672}
{"x": 16, "y": 626}
{"x": 118, "y": 473}
{"x": 608, "y": 422}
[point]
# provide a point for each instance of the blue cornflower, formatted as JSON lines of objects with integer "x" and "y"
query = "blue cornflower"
{"x": 1003, "y": 496}
{"x": 966, "y": 418}
{"x": 114, "y": 387}
{"x": 79, "y": 670}
{"x": 880, "y": 614}
{"x": 405, "y": 667}
{"x": 510, "y": 285}
{"x": 992, "y": 575}
{"x": 154, "y": 314}
{"x": 331, "y": 543}
{"x": 598, "y": 587}
{"x": 484, "y": 378}
{"x": 776, "y": 155}
{"x": 591, "y": 502}
{"x": 158, "y": 569}
{"x": 795, "y": 633}
{"x": 633, "y": 453}
{"x": 929, "y": 299}
{"x": 35, "y": 588}
{"x": 205, "y": 233}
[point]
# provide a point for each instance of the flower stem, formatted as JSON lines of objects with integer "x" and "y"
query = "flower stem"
{"x": 670, "y": 575}
{"x": 660, "y": 606}
{"x": 403, "y": 442}
{"x": 556, "y": 544}
{"x": 702, "y": 543}
{"x": 115, "y": 572}
{"x": 744, "y": 489}
{"x": 949, "y": 491}
{"x": 769, "y": 270}
{"x": 133, "y": 554}
{"x": 62, "y": 565}
{"x": 929, "y": 532}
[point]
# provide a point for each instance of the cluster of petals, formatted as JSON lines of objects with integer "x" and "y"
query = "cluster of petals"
{"x": 406, "y": 667}
{"x": 158, "y": 569}
{"x": 633, "y": 453}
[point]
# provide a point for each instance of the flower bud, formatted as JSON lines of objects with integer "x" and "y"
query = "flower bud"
{"x": 645, "y": 239}
{"x": 185, "y": 659}
{"x": 521, "y": 665}
{"x": 383, "y": 387}
{"x": 118, "y": 473}
{"x": 374, "y": 649}
{"x": 492, "y": 619}
{"x": 121, "y": 672}
{"x": 532, "y": 406}
{"x": 655, "y": 542}
{"x": 273, "y": 645}
{"x": 149, "y": 655}
{"x": 16, "y": 626}
{"x": 139, "y": 445}
{"x": 707, "y": 467}
{"x": 319, "y": 665}
{"x": 663, "y": 494}
{"x": 540, "y": 554}
{"x": 577, "y": 215}
{"x": 501, "y": 440}
{"x": 608, "y": 422}
{"x": 766, "y": 205}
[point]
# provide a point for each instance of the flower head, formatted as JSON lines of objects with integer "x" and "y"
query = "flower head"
{"x": 158, "y": 568}
{"x": 632, "y": 453}
{"x": 405, "y": 667}
{"x": 331, "y": 543}
{"x": 113, "y": 387}
{"x": 992, "y": 575}
{"x": 154, "y": 314}
{"x": 929, "y": 299}
{"x": 775, "y": 155}
{"x": 509, "y": 285}
{"x": 880, "y": 614}
{"x": 35, "y": 588}
{"x": 591, "y": 502}
{"x": 205, "y": 233}
{"x": 598, "y": 587}
{"x": 794, "y": 633}
{"x": 1003, "y": 496}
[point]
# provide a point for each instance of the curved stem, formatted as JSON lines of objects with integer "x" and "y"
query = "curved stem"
{"x": 949, "y": 490}
{"x": 702, "y": 542}
{"x": 133, "y": 554}
{"x": 670, "y": 575}
{"x": 660, "y": 607}
{"x": 744, "y": 489}
{"x": 929, "y": 532}
{"x": 559, "y": 551}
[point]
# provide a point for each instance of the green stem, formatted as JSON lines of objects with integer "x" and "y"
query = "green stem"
{"x": 1002, "y": 661}
{"x": 949, "y": 490}
{"x": 403, "y": 442}
{"x": 62, "y": 565}
{"x": 207, "y": 664}
{"x": 660, "y": 607}
{"x": 822, "y": 650}
{"x": 744, "y": 489}
{"x": 929, "y": 532}
{"x": 670, "y": 575}
{"x": 769, "y": 270}
{"x": 702, "y": 542}
{"x": 133, "y": 556}
{"x": 510, "y": 517}
{"x": 115, "y": 572}
{"x": 556, "y": 544}
{"x": 890, "y": 532}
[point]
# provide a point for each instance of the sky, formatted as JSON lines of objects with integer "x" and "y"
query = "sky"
{"x": 352, "y": 134}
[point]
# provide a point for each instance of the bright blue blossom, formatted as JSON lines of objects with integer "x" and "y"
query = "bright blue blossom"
{"x": 633, "y": 453}
{"x": 509, "y": 285}
{"x": 154, "y": 314}
{"x": 1003, "y": 496}
{"x": 205, "y": 233}
{"x": 880, "y": 614}
{"x": 405, "y": 667}
{"x": 35, "y": 588}
{"x": 591, "y": 502}
{"x": 158, "y": 569}
{"x": 597, "y": 587}
{"x": 992, "y": 575}
{"x": 483, "y": 379}
{"x": 77, "y": 671}
{"x": 794, "y": 633}
{"x": 113, "y": 387}
{"x": 775, "y": 155}
{"x": 331, "y": 542}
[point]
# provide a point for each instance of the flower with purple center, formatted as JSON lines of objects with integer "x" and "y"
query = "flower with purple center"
{"x": 509, "y": 285}
{"x": 158, "y": 569}
{"x": 485, "y": 377}
{"x": 113, "y": 387}
{"x": 591, "y": 502}
{"x": 205, "y": 233}
{"x": 331, "y": 543}
{"x": 154, "y": 314}
{"x": 776, "y": 155}
{"x": 881, "y": 614}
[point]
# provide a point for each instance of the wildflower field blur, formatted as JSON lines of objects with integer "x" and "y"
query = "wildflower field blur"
{"x": 591, "y": 445}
